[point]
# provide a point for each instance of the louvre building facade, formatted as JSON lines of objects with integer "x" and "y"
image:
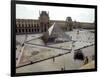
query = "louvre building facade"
{"x": 43, "y": 23}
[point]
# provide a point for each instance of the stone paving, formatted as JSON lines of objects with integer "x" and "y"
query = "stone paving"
{"x": 84, "y": 38}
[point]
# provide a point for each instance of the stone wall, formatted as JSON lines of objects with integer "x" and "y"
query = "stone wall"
{"x": 42, "y": 24}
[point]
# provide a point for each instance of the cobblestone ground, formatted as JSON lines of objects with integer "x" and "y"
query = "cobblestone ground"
{"x": 34, "y": 51}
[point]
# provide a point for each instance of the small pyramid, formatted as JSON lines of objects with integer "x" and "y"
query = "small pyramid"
{"x": 55, "y": 34}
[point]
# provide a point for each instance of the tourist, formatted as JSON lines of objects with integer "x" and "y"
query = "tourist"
{"x": 53, "y": 59}
{"x": 62, "y": 69}
{"x": 86, "y": 60}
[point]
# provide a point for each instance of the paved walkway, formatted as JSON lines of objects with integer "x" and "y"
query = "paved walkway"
{"x": 84, "y": 41}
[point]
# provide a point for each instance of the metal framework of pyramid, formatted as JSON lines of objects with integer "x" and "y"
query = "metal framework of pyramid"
{"x": 55, "y": 34}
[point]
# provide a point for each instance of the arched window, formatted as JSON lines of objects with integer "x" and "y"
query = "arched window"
{"x": 32, "y": 30}
{"x": 26, "y": 30}
{"x": 23, "y": 30}
{"x": 29, "y": 30}
{"x": 19, "y": 30}
{"x": 34, "y": 25}
{"x": 38, "y": 29}
{"x": 35, "y": 30}
{"x": 22, "y": 25}
{"x": 19, "y": 25}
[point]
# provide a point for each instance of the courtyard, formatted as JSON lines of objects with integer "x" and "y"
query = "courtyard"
{"x": 34, "y": 56}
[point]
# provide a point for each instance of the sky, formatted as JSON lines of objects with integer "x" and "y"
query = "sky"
{"x": 55, "y": 12}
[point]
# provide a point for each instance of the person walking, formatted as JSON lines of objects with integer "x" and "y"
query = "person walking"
{"x": 53, "y": 59}
{"x": 62, "y": 69}
{"x": 86, "y": 60}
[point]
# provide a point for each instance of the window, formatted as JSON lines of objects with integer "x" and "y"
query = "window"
{"x": 23, "y": 30}
{"x": 29, "y": 25}
{"x": 38, "y": 30}
{"x": 34, "y": 25}
{"x": 35, "y": 30}
{"x": 29, "y": 30}
{"x": 32, "y": 30}
{"x": 19, "y": 30}
{"x": 19, "y": 25}
{"x": 22, "y": 25}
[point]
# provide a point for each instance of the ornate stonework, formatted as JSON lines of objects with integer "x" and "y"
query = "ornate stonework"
{"x": 42, "y": 24}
